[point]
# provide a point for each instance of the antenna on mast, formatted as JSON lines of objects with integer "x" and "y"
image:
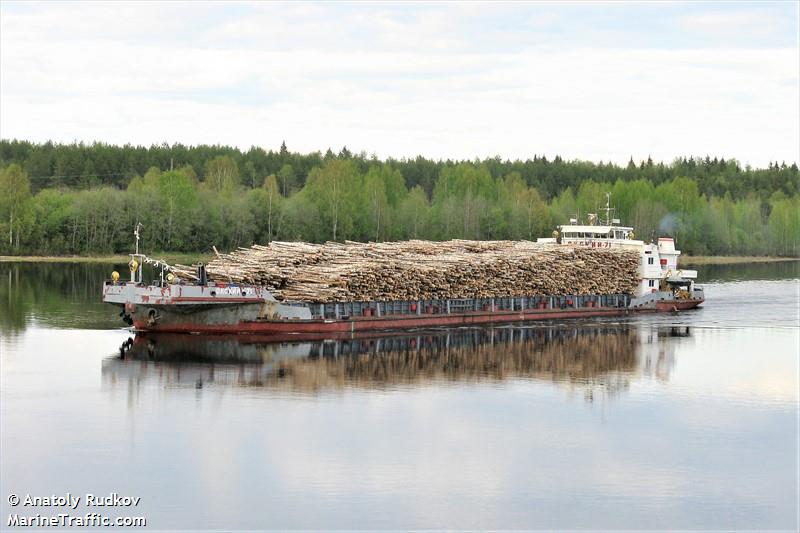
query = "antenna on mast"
{"x": 134, "y": 265}
{"x": 136, "y": 234}
{"x": 608, "y": 209}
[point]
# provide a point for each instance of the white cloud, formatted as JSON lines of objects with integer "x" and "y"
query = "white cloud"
{"x": 384, "y": 80}
{"x": 738, "y": 24}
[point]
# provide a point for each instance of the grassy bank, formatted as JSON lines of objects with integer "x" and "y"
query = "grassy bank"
{"x": 169, "y": 257}
{"x": 730, "y": 259}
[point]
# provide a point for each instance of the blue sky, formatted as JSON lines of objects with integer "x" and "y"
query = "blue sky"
{"x": 598, "y": 81}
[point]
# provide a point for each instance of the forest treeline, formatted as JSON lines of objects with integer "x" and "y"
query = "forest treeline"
{"x": 78, "y": 198}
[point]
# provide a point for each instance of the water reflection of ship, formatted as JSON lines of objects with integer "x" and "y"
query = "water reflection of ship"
{"x": 657, "y": 353}
{"x": 604, "y": 357}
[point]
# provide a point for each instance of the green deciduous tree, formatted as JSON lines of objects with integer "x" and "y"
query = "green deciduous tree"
{"x": 375, "y": 205}
{"x": 413, "y": 213}
{"x": 461, "y": 199}
{"x": 15, "y": 203}
{"x": 784, "y": 225}
{"x": 267, "y": 207}
{"x": 287, "y": 179}
{"x": 222, "y": 174}
{"x": 178, "y": 201}
{"x": 53, "y": 211}
{"x": 333, "y": 189}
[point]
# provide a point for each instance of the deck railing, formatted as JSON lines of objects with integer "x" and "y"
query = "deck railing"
{"x": 466, "y": 305}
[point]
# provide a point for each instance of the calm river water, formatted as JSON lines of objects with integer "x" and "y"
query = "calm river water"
{"x": 666, "y": 421}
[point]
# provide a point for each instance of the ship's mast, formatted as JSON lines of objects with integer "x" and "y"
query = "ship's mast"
{"x": 136, "y": 235}
{"x": 608, "y": 209}
{"x": 135, "y": 262}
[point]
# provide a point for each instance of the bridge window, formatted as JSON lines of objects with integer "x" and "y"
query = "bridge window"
{"x": 649, "y": 260}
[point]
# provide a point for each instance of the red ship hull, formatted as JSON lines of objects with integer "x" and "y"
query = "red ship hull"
{"x": 326, "y": 327}
{"x": 677, "y": 305}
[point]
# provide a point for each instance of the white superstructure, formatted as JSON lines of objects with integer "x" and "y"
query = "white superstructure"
{"x": 658, "y": 270}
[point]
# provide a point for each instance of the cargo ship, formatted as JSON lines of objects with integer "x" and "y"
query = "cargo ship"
{"x": 202, "y": 305}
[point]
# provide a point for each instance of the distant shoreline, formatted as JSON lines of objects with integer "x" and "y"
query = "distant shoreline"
{"x": 205, "y": 258}
{"x": 731, "y": 259}
{"x": 185, "y": 259}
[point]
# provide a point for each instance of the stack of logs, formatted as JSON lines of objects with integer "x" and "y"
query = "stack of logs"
{"x": 424, "y": 270}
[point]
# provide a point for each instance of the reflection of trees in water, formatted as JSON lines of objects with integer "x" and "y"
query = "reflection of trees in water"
{"x": 585, "y": 358}
{"x": 13, "y": 306}
{"x": 66, "y": 294}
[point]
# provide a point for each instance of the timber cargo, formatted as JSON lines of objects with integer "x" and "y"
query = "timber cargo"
{"x": 423, "y": 270}
{"x": 340, "y": 289}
